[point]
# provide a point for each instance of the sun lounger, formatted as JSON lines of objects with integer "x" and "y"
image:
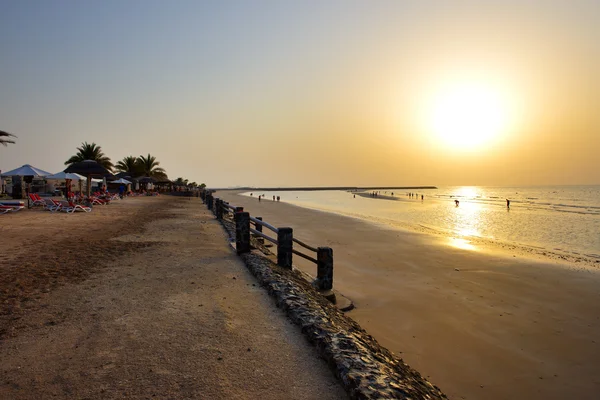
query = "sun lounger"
{"x": 36, "y": 200}
{"x": 51, "y": 205}
{"x": 70, "y": 207}
{"x": 79, "y": 207}
{"x": 98, "y": 201}
{"x": 6, "y": 208}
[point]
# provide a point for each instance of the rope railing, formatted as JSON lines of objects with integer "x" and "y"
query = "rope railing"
{"x": 285, "y": 239}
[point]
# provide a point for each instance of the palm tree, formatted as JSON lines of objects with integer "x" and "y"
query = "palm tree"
{"x": 90, "y": 152}
{"x": 181, "y": 182}
{"x": 129, "y": 164}
{"x": 150, "y": 167}
{"x": 6, "y": 141}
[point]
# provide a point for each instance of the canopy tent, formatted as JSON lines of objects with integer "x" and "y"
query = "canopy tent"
{"x": 26, "y": 170}
{"x": 29, "y": 173}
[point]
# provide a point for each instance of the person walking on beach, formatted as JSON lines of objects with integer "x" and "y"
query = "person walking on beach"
{"x": 507, "y": 203}
{"x": 456, "y": 202}
{"x": 278, "y": 198}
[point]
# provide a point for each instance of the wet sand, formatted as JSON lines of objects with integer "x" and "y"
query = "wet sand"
{"x": 479, "y": 325}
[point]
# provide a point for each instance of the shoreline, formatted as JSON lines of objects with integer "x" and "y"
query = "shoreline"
{"x": 495, "y": 247}
{"x": 477, "y": 324}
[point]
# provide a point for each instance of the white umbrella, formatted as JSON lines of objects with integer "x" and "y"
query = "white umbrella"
{"x": 26, "y": 170}
{"x": 121, "y": 180}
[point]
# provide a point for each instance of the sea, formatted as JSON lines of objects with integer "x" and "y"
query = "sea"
{"x": 559, "y": 222}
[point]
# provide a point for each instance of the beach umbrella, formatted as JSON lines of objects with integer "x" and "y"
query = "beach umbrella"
{"x": 89, "y": 169}
{"x": 146, "y": 179}
{"x": 68, "y": 177}
{"x": 26, "y": 170}
{"x": 147, "y": 182}
{"x": 123, "y": 181}
{"x": 65, "y": 175}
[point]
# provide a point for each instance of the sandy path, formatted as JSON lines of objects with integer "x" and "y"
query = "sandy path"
{"x": 181, "y": 318}
{"x": 497, "y": 328}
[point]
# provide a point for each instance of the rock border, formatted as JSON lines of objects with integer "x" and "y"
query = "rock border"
{"x": 366, "y": 369}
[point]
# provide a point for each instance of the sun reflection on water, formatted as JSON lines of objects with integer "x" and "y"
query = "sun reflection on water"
{"x": 466, "y": 220}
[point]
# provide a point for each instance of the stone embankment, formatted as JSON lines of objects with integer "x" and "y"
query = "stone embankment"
{"x": 366, "y": 369}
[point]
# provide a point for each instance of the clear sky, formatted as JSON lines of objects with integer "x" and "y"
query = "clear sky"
{"x": 314, "y": 92}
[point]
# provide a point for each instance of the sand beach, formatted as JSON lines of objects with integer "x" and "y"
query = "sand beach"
{"x": 142, "y": 298}
{"x": 477, "y": 324}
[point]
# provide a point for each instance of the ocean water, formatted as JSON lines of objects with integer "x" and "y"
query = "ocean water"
{"x": 559, "y": 221}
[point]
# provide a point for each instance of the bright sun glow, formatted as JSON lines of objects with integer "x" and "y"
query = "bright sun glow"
{"x": 468, "y": 117}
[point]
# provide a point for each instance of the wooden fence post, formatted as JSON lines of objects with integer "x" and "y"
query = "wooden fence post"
{"x": 219, "y": 205}
{"x": 285, "y": 238}
{"x": 259, "y": 228}
{"x": 242, "y": 232}
{"x": 324, "y": 268}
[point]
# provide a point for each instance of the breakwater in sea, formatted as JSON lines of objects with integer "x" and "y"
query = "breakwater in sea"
{"x": 321, "y": 188}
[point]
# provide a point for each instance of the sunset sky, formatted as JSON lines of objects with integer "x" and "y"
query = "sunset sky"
{"x": 287, "y": 93}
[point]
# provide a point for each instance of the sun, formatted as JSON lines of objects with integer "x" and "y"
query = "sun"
{"x": 467, "y": 116}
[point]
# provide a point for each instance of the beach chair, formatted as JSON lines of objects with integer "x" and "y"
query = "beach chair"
{"x": 69, "y": 206}
{"x": 63, "y": 205}
{"x": 51, "y": 205}
{"x": 79, "y": 207}
{"x": 6, "y": 208}
{"x": 36, "y": 200}
{"x": 98, "y": 201}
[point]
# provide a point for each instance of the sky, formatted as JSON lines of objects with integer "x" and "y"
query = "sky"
{"x": 308, "y": 93}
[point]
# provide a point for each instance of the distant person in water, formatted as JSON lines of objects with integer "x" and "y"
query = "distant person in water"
{"x": 259, "y": 196}
{"x": 507, "y": 203}
{"x": 456, "y": 202}
{"x": 277, "y": 198}
{"x": 422, "y": 197}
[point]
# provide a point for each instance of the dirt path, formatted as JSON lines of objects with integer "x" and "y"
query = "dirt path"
{"x": 180, "y": 317}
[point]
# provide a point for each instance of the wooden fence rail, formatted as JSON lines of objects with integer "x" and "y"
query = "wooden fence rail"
{"x": 246, "y": 225}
